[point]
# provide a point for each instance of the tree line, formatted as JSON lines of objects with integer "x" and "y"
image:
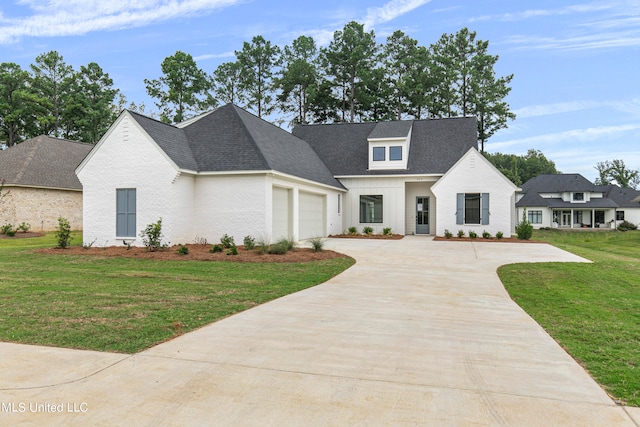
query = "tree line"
{"x": 352, "y": 79}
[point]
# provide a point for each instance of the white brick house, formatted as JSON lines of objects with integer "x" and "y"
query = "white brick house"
{"x": 229, "y": 172}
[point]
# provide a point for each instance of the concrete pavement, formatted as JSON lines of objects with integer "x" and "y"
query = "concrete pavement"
{"x": 416, "y": 333}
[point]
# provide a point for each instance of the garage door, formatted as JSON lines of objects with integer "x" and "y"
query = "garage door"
{"x": 311, "y": 215}
{"x": 281, "y": 213}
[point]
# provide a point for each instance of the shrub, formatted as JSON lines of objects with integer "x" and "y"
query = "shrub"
{"x": 499, "y": 235}
{"x": 524, "y": 230}
{"x": 353, "y": 231}
{"x": 288, "y": 243}
{"x": 232, "y": 250}
{"x": 460, "y": 233}
{"x": 227, "y": 241}
{"x": 216, "y": 248}
{"x": 262, "y": 245}
{"x": 473, "y": 234}
{"x": 279, "y": 248}
{"x": 249, "y": 243}
{"x": 183, "y": 250}
{"x": 5, "y": 228}
{"x": 152, "y": 236}
{"x": 24, "y": 227}
{"x": 317, "y": 244}
{"x": 200, "y": 240}
{"x": 367, "y": 230}
{"x": 626, "y": 226}
{"x": 486, "y": 234}
{"x": 63, "y": 233}
{"x": 386, "y": 231}
{"x": 448, "y": 234}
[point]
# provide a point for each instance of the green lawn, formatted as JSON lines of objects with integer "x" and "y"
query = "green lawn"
{"x": 592, "y": 310}
{"x": 127, "y": 305}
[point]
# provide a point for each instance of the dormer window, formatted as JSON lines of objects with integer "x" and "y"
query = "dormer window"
{"x": 379, "y": 154}
{"x": 389, "y": 145}
{"x": 395, "y": 153}
{"x": 578, "y": 197}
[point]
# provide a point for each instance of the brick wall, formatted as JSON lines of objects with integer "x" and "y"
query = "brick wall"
{"x": 41, "y": 208}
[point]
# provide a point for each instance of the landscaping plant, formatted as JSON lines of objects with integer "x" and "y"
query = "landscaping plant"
{"x": 63, "y": 233}
{"x": 152, "y": 236}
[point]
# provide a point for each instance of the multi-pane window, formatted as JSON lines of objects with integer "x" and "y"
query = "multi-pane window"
{"x": 619, "y": 215}
{"x": 535, "y": 217}
{"x": 395, "y": 153}
{"x": 371, "y": 209}
{"x": 126, "y": 212}
{"x": 579, "y": 197}
{"x": 379, "y": 154}
{"x": 472, "y": 208}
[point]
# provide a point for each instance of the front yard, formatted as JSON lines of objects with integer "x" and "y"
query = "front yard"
{"x": 592, "y": 310}
{"x": 127, "y": 304}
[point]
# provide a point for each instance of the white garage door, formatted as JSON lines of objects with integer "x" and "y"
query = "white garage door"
{"x": 311, "y": 215}
{"x": 281, "y": 213}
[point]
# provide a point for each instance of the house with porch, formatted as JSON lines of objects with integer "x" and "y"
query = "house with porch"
{"x": 230, "y": 172}
{"x": 572, "y": 201}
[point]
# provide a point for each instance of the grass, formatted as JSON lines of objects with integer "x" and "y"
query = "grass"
{"x": 592, "y": 310}
{"x": 127, "y": 305}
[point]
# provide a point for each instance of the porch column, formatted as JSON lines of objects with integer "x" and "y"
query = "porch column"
{"x": 593, "y": 218}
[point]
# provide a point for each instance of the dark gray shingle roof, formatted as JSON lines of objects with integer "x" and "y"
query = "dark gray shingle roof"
{"x": 231, "y": 139}
{"x": 435, "y": 144}
{"x": 394, "y": 129}
{"x": 43, "y": 161}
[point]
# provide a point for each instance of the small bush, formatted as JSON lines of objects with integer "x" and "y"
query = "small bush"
{"x": 63, "y": 233}
{"x": 486, "y": 234}
{"x": 152, "y": 236}
{"x": 11, "y": 233}
{"x": 448, "y": 234}
{"x": 367, "y": 230}
{"x": 232, "y": 250}
{"x": 524, "y": 230}
{"x": 499, "y": 235}
{"x": 249, "y": 243}
{"x": 627, "y": 226}
{"x": 200, "y": 240}
{"x": 353, "y": 231}
{"x": 473, "y": 234}
{"x": 24, "y": 227}
{"x": 387, "y": 231}
{"x": 5, "y": 228}
{"x": 216, "y": 248}
{"x": 227, "y": 241}
{"x": 262, "y": 245}
{"x": 183, "y": 250}
{"x": 317, "y": 244}
{"x": 279, "y": 248}
{"x": 289, "y": 243}
{"x": 460, "y": 233}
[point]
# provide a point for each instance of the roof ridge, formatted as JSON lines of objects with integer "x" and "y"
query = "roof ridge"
{"x": 236, "y": 110}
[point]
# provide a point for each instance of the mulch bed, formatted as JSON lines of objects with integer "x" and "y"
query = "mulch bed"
{"x": 21, "y": 235}
{"x": 368, "y": 236}
{"x": 196, "y": 253}
{"x": 479, "y": 239}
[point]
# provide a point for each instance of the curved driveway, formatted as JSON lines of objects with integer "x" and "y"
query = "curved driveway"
{"x": 416, "y": 333}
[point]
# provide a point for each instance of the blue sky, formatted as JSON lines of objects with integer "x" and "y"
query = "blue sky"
{"x": 576, "y": 89}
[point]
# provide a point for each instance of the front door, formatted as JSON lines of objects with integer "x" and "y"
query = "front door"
{"x": 566, "y": 219}
{"x": 422, "y": 215}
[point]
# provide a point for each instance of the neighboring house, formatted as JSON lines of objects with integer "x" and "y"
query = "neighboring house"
{"x": 229, "y": 172}
{"x": 40, "y": 177}
{"x": 572, "y": 201}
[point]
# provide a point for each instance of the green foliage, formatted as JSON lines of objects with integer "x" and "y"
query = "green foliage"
{"x": 281, "y": 247}
{"x": 367, "y": 230}
{"x": 216, "y": 248}
{"x": 387, "y": 231}
{"x": 627, "y": 226}
{"x": 289, "y": 243}
{"x": 448, "y": 234}
{"x": 63, "y": 233}
{"x": 249, "y": 243}
{"x": 486, "y": 234}
{"x": 520, "y": 169}
{"x": 24, "y": 227}
{"x": 473, "y": 234}
{"x": 524, "y": 229}
{"x": 257, "y": 61}
{"x": 353, "y": 231}
{"x": 262, "y": 245}
{"x": 6, "y": 228}
{"x": 499, "y": 235}
{"x": 232, "y": 250}
{"x": 152, "y": 236}
{"x": 227, "y": 241}
{"x": 183, "y": 250}
{"x": 317, "y": 244}
{"x": 460, "y": 233}
{"x": 616, "y": 172}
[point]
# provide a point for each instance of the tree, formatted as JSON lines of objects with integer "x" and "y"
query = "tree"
{"x": 257, "y": 61}
{"x": 520, "y": 169}
{"x": 14, "y": 102}
{"x": 616, "y": 171}
{"x": 226, "y": 81}
{"x": 183, "y": 89}
{"x": 299, "y": 74}
{"x": 50, "y": 82}
{"x": 347, "y": 59}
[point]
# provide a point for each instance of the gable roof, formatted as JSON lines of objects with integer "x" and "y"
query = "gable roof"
{"x": 613, "y": 196}
{"x": 230, "y": 139}
{"x": 435, "y": 146}
{"x": 44, "y": 162}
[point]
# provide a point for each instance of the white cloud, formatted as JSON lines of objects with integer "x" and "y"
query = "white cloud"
{"x": 52, "y": 18}
{"x": 390, "y": 11}
{"x": 534, "y": 13}
{"x": 214, "y": 56}
{"x": 549, "y": 109}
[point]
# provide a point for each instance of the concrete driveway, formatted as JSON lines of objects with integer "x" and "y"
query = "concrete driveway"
{"x": 416, "y": 333}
